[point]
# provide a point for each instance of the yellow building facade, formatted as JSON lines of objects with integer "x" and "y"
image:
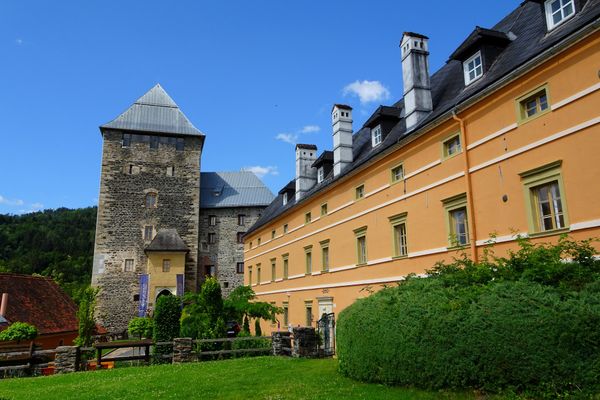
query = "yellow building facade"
{"x": 514, "y": 150}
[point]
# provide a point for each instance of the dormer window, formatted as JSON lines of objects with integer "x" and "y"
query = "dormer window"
{"x": 320, "y": 174}
{"x": 285, "y": 198}
{"x": 473, "y": 68}
{"x": 376, "y": 135}
{"x": 558, "y": 11}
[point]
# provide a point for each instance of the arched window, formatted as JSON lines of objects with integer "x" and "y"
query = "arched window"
{"x": 151, "y": 200}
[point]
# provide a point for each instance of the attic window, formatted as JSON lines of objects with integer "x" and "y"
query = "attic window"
{"x": 320, "y": 174}
{"x": 285, "y": 198}
{"x": 558, "y": 11}
{"x": 376, "y": 136}
{"x": 473, "y": 68}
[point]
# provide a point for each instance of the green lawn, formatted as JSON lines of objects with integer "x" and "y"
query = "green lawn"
{"x": 245, "y": 378}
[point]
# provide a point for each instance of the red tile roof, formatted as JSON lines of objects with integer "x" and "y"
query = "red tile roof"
{"x": 39, "y": 301}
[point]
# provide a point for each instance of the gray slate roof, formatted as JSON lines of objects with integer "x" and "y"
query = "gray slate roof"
{"x": 527, "y": 22}
{"x": 167, "y": 240}
{"x": 154, "y": 112}
{"x": 233, "y": 189}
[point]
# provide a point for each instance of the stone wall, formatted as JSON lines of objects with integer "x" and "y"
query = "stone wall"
{"x": 226, "y": 252}
{"x": 305, "y": 342}
{"x": 122, "y": 216}
{"x": 66, "y": 359}
{"x": 281, "y": 343}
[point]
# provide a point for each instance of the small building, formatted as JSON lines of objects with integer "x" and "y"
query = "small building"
{"x": 39, "y": 301}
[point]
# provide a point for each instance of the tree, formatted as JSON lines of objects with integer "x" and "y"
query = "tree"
{"x": 85, "y": 316}
{"x": 140, "y": 327}
{"x": 167, "y": 314}
{"x": 19, "y": 331}
{"x": 203, "y": 315}
{"x": 240, "y": 306}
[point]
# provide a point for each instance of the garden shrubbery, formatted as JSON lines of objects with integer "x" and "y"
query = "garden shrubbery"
{"x": 529, "y": 322}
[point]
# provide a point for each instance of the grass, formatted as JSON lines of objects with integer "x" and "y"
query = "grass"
{"x": 244, "y": 378}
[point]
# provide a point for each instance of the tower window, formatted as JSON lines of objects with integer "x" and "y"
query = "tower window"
{"x": 170, "y": 171}
{"x": 128, "y": 265}
{"x": 166, "y": 265}
{"x": 148, "y": 231}
{"x": 241, "y": 219}
{"x": 212, "y": 238}
{"x": 151, "y": 200}
{"x": 240, "y": 237}
{"x": 212, "y": 220}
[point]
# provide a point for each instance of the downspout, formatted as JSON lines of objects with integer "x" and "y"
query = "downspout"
{"x": 470, "y": 208}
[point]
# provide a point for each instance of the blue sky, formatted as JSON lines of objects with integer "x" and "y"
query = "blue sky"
{"x": 254, "y": 76}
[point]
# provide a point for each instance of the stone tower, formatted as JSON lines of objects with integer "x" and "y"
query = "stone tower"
{"x": 149, "y": 189}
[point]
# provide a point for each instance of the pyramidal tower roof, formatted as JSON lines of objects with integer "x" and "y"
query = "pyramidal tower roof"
{"x": 155, "y": 111}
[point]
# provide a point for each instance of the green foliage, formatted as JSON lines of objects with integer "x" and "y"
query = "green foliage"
{"x": 249, "y": 344}
{"x": 240, "y": 305}
{"x": 167, "y": 314}
{"x": 246, "y": 327}
{"x": 257, "y": 330}
{"x": 202, "y": 316}
{"x": 55, "y": 243}
{"x": 528, "y": 323}
{"x": 18, "y": 331}
{"x": 85, "y": 317}
{"x": 141, "y": 327}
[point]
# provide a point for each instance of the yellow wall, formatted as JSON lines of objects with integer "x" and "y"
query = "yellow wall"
{"x": 159, "y": 279}
{"x": 500, "y": 148}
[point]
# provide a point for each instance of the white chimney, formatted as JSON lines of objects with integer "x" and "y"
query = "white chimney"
{"x": 306, "y": 175}
{"x": 341, "y": 118}
{"x": 3, "y": 304}
{"x": 415, "y": 74}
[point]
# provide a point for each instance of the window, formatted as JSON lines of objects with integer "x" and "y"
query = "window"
{"x": 473, "y": 68}
{"x": 126, "y": 142}
{"x": 212, "y": 220}
{"x": 307, "y": 218}
{"x": 258, "y": 242}
{"x": 166, "y": 265}
{"x": 309, "y": 314}
{"x": 532, "y": 105}
{"x": 273, "y": 270}
{"x": 285, "y": 265}
{"x": 359, "y": 192}
{"x": 558, "y": 11}
{"x": 544, "y": 197}
{"x": 398, "y": 223}
{"x": 212, "y": 238}
{"x": 249, "y": 276}
{"x": 154, "y": 142}
{"x": 209, "y": 270}
{"x": 170, "y": 171}
{"x": 376, "y": 136}
{"x": 241, "y": 219}
{"x": 240, "y": 237}
{"x": 457, "y": 225}
{"x": 273, "y": 233}
{"x": 397, "y": 173}
{"x": 308, "y": 259}
{"x": 258, "y": 281}
{"x": 132, "y": 169}
{"x": 324, "y": 255}
{"x": 151, "y": 200}
{"x": 180, "y": 144}
{"x": 323, "y": 209}
{"x": 239, "y": 268}
{"x": 286, "y": 321}
{"x": 320, "y": 174}
{"x": 225, "y": 285}
{"x": 361, "y": 245}
{"x": 451, "y": 146}
{"x": 128, "y": 265}
{"x": 285, "y": 198}
{"x": 285, "y": 228}
{"x": 204, "y": 246}
{"x": 148, "y": 230}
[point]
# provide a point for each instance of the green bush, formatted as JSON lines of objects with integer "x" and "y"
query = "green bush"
{"x": 166, "y": 323}
{"x": 85, "y": 317}
{"x": 18, "y": 331}
{"x": 140, "y": 327}
{"x": 249, "y": 344}
{"x": 501, "y": 324}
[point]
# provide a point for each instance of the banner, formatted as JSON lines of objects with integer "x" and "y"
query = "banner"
{"x": 143, "y": 306}
{"x": 180, "y": 284}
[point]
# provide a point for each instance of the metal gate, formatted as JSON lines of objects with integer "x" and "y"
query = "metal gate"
{"x": 326, "y": 330}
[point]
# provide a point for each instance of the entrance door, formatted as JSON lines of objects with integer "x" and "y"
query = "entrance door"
{"x": 326, "y": 326}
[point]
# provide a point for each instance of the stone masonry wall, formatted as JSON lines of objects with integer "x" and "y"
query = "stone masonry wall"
{"x": 122, "y": 216}
{"x": 226, "y": 252}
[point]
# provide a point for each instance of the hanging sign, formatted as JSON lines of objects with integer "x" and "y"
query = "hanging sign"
{"x": 143, "y": 306}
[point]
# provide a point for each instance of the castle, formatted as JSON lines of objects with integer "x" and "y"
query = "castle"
{"x": 163, "y": 225}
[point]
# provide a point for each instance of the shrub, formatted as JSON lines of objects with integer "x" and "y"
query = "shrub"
{"x": 85, "y": 317}
{"x": 502, "y": 324}
{"x": 249, "y": 344}
{"x": 140, "y": 327}
{"x": 257, "y": 330}
{"x": 166, "y": 322}
{"x": 18, "y": 331}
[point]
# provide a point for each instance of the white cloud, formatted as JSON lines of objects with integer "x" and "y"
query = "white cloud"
{"x": 367, "y": 91}
{"x": 9, "y": 202}
{"x": 19, "y": 41}
{"x": 262, "y": 171}
{"x": 291, "y": 138}
{"x": 37, "y": 206}
{"x": 310, "y": 129}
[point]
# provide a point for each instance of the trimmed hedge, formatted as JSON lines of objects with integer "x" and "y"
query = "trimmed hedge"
{"x": 515, "y": 333}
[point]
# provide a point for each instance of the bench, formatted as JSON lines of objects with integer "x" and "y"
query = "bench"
{"x": 15, "y": 356}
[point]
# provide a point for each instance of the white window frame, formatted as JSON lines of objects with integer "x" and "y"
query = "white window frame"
{"x": 320, "y": 174}
{"x": 466, "y": 69}
{"x": 563, "y": 4}
{"x": 285, "y": 198}
{"x": 376, "y": 136}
